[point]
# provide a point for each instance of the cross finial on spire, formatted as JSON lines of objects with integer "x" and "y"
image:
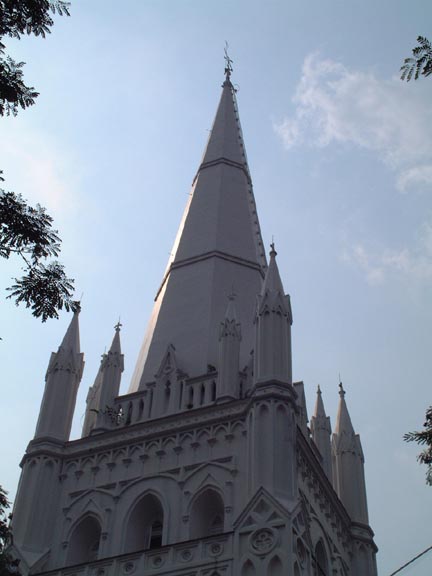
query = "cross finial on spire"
{"x": 273, "y": 249}
{"x": 118, "y": 326}
{"x": 319, "y": 390}
{"x": 228, "y": 64}
{"x": 341, "y": 390}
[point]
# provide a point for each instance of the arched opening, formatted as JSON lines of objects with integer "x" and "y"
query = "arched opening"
{"x": 129, "y": 414}
{"x": 213, "y": 391}
{"x": 301, "y": 552}
{"x": 190, "y": 397}
{"x": 145, "y": 525}
{"x": 202, "y": 394}
{"x": 140, "y": 409}
{"x": 296, "y": 570}
{"x": 248, "y": 569}
{"x": 167, "y": 396}
{"x": 275, "y": 567}
{"x": 84, "y": 542}
{"x": 207, "y": 515}
{"x": 321, "y": 562}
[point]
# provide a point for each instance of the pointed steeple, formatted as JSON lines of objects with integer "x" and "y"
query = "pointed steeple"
{"x": 348, "y": 464}
{"x": 344, "y": 427}
{"x": 273, "y": 328}
{"x": 112, "y": 367}
{"x": 272, "y": 282}
{"x": 62, "y": 379}
{"x": 225, "y": 140}
{"x": 218, "y": 242}
{"x": 319, "y": 411}
{"x": 71, "y": 340}
{"x": 229, "y": 348}
{"x": 321, "y": 433}
{"x": 93, "y": 400}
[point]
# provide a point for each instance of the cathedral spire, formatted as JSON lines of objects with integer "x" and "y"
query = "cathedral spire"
{"x": 71, "y": 340}
{"x": 111, "y": 368}
{"x": 348, "y": 464}
{"x": 321, "y": 433}
{"x": 273, "y": 328}
{"x": 343, "y": 421}
{"x": 93, "y": 400}
{"x": 218, "y": 242}
{"x": 61, "y": 386}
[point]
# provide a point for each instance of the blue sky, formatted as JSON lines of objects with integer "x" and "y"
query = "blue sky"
{"x": 340, "y": 152}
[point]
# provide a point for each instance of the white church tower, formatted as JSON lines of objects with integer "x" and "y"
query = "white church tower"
{"x": 207, "y": 466}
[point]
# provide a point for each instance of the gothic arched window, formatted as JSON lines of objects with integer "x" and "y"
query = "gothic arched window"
{"x": 248, "y": 569}
{"x": 321, "y": 562}
{"x": 275, "y": 567}
{"x": 167, "y": 395}
{"x": 207, "y": 515}
{"x": 84, "y": 541}
{"x": 145, "y": 525}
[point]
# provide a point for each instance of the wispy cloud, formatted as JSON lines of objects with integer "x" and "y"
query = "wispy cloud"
{"x": 377, "y": 265}
{"x": 334, "y": 104}
{"x": 35, "y": 168}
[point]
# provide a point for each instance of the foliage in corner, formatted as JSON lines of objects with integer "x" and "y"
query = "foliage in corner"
{"x": 27, "y": 232}
{"x": 424, "y": 438}
{"x": 8, "y": 566}
{"x": 18, "y": 18}
{"x": 420, "y": 63}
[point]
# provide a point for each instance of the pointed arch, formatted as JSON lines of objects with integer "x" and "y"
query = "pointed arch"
{"x": 275, "y": 567}
{"x": 140, "y": 409}
{"x": 207, "y": 515}
{"x": 248, "y": 569}
{"x": 84, "y": 541}
{"x": 144, "y": 528}
{"x": 167, "y": 396}
{"x": 321, "y": 561}
{"x": 190, "y": 397}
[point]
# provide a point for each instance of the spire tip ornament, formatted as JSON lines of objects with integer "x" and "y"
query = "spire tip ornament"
{"x": 228, "y": 64}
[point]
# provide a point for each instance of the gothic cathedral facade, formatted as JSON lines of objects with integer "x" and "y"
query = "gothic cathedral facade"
{"x": 207, "y": 466}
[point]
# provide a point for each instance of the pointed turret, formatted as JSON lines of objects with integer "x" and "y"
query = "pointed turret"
{"x": 229, "y": 349}
{"x": 112, "y": 366}
{"x": 61, "y": 386}
{"x": 218, "y": 243}
{"x": 273, "y": 328}
{"x": 93, "y": 401}
{"x": 321, "y": 433}
{"x": 348, "y": 464}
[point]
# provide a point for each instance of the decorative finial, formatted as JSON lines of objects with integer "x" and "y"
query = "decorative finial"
{"x": 341, "y": 390}
{"x": 319, "y": 390}
{"x": 228, "y": 64}
{"x": 232, "y": 295}
{"x": 118, "y": 325}
{"x": 272, "y": 246}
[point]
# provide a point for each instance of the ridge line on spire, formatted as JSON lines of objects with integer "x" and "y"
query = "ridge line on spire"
{"x": 206, "y": 256}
